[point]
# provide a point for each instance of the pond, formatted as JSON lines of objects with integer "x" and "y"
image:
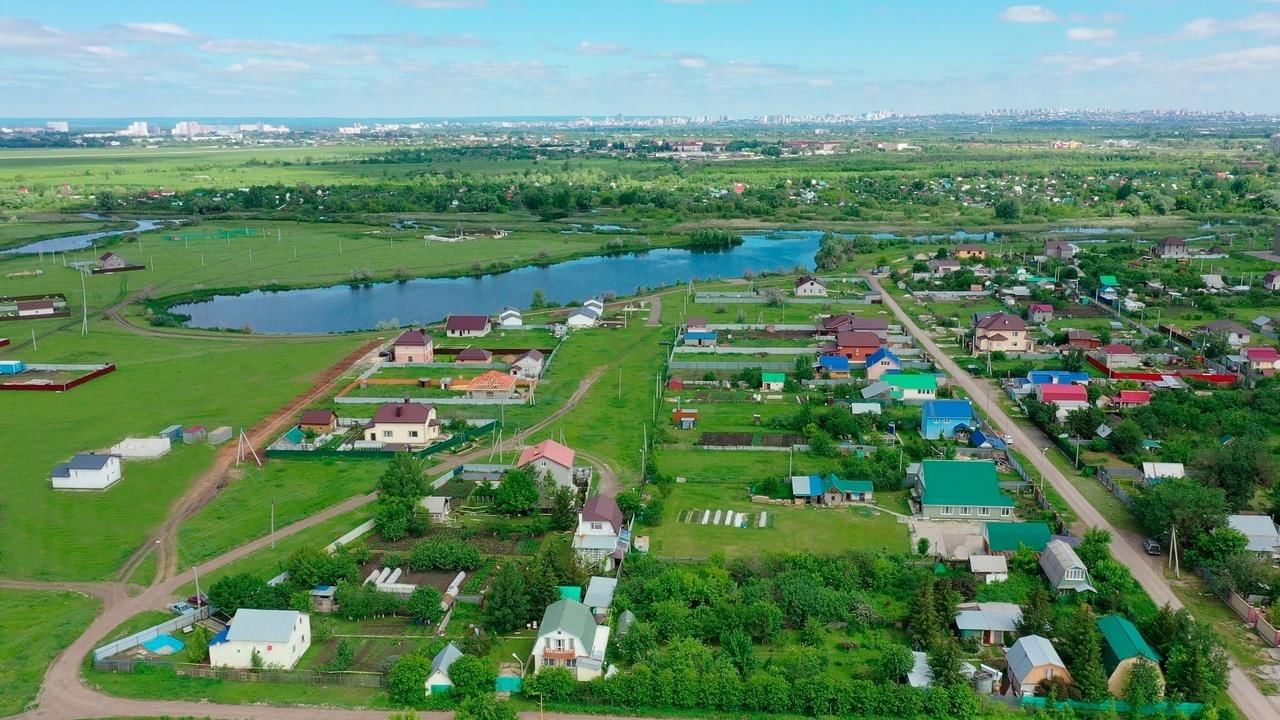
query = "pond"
{"x": 67, "y": 243}
{"x": 343, "y": 308}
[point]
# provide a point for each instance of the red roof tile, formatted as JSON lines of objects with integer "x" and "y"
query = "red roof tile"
{"x": 549, "y": 449}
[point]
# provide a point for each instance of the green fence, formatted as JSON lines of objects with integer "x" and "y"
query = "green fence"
{"x": 326, "y": 454}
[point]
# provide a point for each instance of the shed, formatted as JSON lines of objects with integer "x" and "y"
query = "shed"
{"x": 599, "y": 596}
{"x": 772, "y": 381}
{"x": 173, "y": 432}
{"x": 12, "y": 367}
{"x": 1122, "y": 646}
{"x": 438, "y": 681}
{"x": 987, "y": 621}
{"x": 194, "y": 434}
{"x": 219, "y": 435}
{"x": 1031, "y": 660}
{"x": 1008, "y": 537}
{"x": 1064, "y": 569}
{"x": 989, "y": 568}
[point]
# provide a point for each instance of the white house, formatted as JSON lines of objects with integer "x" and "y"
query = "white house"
{"x": 1064, "y": 569}
{"x": 551, "y": 459}
{"x": 510, "y": 318}
{"x": 404, "y": 423}
{"x": 528, "y": 366}
{"x": 1155, "y": 471}
{"x": 583, "y": 317}
{"x": 1261, "y": 531}
{"x": 438, "y": 680}
{"x": 594, "y": 304}
{"x": 466, "y": 326}
{"x": 438, "y": 507}
{"x": 596, "y": 538}
{"x": 809, "y": 286}
{"x": 278, "y": 637}
{"x": 87, "y": 471}
{"x": 569, "y": 637}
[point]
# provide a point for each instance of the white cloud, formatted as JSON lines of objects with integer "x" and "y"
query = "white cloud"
{"x": 316, "y": 54}
{"x": 1079, "y": 62}
{"x": 16, "y": 33}
{"x": 445, "y": 4}
{"x": 1256, "y": 58}
{"x": 103, "y": 51}
{"x": 418, "y": 40}
{"x": 820, "y": 82}
{"x": 586, "y": 47}
{"x": 692, "y": 61}
{"x": 268, "y": 66}
{"x": 1264, "y": 23}
{"x": 1086, "y": 34}
{"x": 1029, "y": 14}
{"x": 160, "y": 28}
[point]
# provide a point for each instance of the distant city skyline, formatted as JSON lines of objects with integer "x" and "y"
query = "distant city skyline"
{"x": 644, "y": 58}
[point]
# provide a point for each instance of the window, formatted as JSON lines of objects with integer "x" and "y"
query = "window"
{"x": 1075, "y": 574}
{"x": 572, "y": 663}
{"x": 1005, "y": 512}
{"x": 597, "y": 526}
{"x": 984, "y": 512}
{"x": 946, "y": 510}
{"x": 964, "y": 511}
{"x": 413, "y": 433}
{"x": 386, "y": 433}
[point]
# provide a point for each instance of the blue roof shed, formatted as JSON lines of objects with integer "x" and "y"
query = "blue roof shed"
{"x": 834, "y": 363}
{"x": 940, "y": 418}
{"x": 1057, "y": 377}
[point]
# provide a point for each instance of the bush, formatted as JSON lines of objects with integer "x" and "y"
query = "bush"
{"x": 443, "y": 555}
{"x": 407, "y": 682}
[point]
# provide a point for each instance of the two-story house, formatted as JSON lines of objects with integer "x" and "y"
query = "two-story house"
{"x": 410, "y": 424}
{"x": 1001, "y": 332}
{"x": 413, "y": 346}
{"x": 596, "y": 538}
{"x": 809, "y": 286}
{"x": 549, "y": 459}
{"x": 568, "y": 637}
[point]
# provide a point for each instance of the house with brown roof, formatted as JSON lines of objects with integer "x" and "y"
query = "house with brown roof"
{"x": 550, "y": 459}
{"x": 111, "y": 261}
{"x": 1082, "y": 340}
{"x": 595, "y": 541}
{"x": 856, "y": 345}
{"x": 489, "y": 385}
{"x": 1060, "y": 249}
{"x": 1233, "y": 332}
{"x": 528, "y": 366}
{"x": 1271, "y": 281}
{"x": 474, "y": 355}
{"x": 1001, "y": 332}
{"x": 833, "y": 324}
{"x": 970, "y": 252}
{"x": 412, "y": 425}
{"x": 938, "y": 268}
{"x": 413, "y": 346}
{"x": 467, "y": 326}
{"x": 1172, "y": 248}
{"x": 36, "y": 308}
{"x": 318, "y": 421}
{"x": 809, "y": 286}
{"x": 1117, "y": 356}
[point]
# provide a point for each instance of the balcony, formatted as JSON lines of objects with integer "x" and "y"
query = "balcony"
{"x": 560, "y": 655}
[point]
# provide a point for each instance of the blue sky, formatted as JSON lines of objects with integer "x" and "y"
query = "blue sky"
{"x": 404, "y": 58}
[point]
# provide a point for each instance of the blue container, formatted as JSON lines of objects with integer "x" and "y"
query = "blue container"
{"x": 12, "y": 367}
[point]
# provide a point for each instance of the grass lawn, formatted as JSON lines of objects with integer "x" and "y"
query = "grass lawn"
{"x": 746, "y": 467}
{"x": 269, "y": 562}
{"x": 1245, "y": 646}
{"x": 145, "y": 573}
{"x": 34, "y": 627}
{"x": 162, "y": 684}
{"x": 160, "y": 381}
{"x": 790, "y": 528}
{"x": 298, "y": 488}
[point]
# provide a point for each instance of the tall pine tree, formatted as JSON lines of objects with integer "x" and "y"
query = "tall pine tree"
{"x": 924, "y": 622}
{"x": 1037, "y": 613}
{"x": 1080, "y": 643}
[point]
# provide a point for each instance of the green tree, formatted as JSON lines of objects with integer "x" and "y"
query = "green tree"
{"x": 924, "y": 625}
{"x": 393, "y": 516}
{"x": 1196, "y": 665}
{"x": 1126, "y": 438}
{"x": 245, "y": 590}
{"x": 1008, "y": 209}
{"x": 895, "y": 662}
{"x": 638, "y": 644}
{"x": 1037, "y": 613}
{"x": 1081, "y": 645}
{"x": 472, "y": 676}
{"x": 804, "y": 368}
{"x": 1083, "y": 422}
{"x": 944, "y": 663}
{"x": 485, "y": 707}
{"x": 343, "y": 656}
{"x": 539, "y": 300}
{"x": 551, "y": 683}
{"x": 564, "y": 514}
{"x": 1143, "y": 686}
{"x": 404, "y": 478}
{"x": 1238, "y": 469}
{"x": 736, "y": 645}
{"x": 1191, "y": 507}
{"x": 517, "y": 493}
{"x": 507, "y": 607}
{"x": 424, "y": 605}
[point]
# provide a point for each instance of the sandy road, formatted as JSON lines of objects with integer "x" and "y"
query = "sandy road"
{"x": 1251, "y": 702}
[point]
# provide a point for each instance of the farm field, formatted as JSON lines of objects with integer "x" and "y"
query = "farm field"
{"x": 34, "y": 627}
{"x": 160, "y": 381}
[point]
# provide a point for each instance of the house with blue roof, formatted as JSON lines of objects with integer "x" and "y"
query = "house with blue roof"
{"x": 830, "y": 489}
{"x": 882, "y": 361}
{"x": 700, "y": 338}
{"x": 835, "y": 367}
{"x": 1057, "y": 377}
{"x": 941, "y": 418}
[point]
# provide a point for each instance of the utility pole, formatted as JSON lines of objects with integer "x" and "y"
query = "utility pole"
{"x": 199, "y": 597}
{"x": 84, "y": 323}
{"x": 1173, "y": 551}
{"x": 273, "y": 523}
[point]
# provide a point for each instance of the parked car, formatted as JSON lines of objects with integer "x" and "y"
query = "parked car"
{"x": 181, "y": 608}
{"x": 1152, "y": 546}
{"x": 198, "y": 600}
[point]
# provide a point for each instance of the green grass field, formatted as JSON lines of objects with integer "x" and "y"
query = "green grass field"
{"x": 34, "y": 628}
{"x": 160, "y": 381}
{"x": 790, "y": 528}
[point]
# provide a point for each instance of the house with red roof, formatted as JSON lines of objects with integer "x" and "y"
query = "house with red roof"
{"x": 1082, "y": 340}
{"x": 1001, "y": 332}
{"x": 855, "y": 345}
{"x": 413, "y": 346}
{"x": 1065, "y": 397}
{"x": 1040, "y": 312}
{"x": 549, "y": 459}
{"x": 407, "y": 424}
{"x": 488, "y": 385}
{"x": 467, "y": 326}
{"x": 1118, "y": 356}
{"x": 1262, "y": 360}
{"x": 1172, "y": 247}
{"x": 36, "y": 308}
{"x": 1129, "y": 399}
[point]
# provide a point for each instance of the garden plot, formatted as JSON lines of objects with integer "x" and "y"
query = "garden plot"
{"x": 725, "y": 518}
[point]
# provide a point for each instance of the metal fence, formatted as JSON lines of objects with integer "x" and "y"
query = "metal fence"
{"x": 724, "y": 365}
{"x": 126, "y": 644}
{"x": 739, "y": 350}
{"x": 264, "y": 675}
{"x": 325, "y": 454}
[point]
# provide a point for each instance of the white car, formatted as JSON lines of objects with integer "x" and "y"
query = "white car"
{"x": 1008, "y": 440}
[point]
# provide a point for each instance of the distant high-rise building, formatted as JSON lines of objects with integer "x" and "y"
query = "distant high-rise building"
{"x": 137, "y": 128}
{"x": 187, "y": 129}
{"x": 57, "y": 126}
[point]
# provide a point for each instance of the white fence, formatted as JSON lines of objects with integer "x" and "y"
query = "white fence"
{"x": 460, "y": 367}
{"x": 356, "y": 533}
{"x": 155, "y": 631}
{"x": 736, "y": 350}
{"x": 362, "y": 400}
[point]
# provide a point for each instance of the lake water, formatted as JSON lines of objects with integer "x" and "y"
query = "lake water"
{"x": 342, "y": 308}
{"x": 67, "y": 243}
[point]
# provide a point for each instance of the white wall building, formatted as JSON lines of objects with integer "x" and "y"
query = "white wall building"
{"x": 279, "y": 637}
{"x": 569, "y": 637}
{"x": 87, "y": 471}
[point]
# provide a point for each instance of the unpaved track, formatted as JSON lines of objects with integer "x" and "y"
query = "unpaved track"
{"x": 1251, "y": 702}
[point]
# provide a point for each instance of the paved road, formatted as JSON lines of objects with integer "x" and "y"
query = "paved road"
{"x": 1252, "y": 703}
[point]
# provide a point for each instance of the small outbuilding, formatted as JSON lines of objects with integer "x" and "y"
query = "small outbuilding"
{"x": 87, "y": 471}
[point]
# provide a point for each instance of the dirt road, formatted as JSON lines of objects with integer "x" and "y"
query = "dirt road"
{"x": 1252, "y": 703}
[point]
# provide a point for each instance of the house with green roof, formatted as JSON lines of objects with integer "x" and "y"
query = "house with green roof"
{"x": 772, "y": 381}
{"x": 961, "y": 490}
{"x": 569, "y": 637}
{"x": 1122, "y": 645}
{"x": 1005, "y": 538}
{"x": 830, "y": 489}
{"x": 911, "y": 387}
